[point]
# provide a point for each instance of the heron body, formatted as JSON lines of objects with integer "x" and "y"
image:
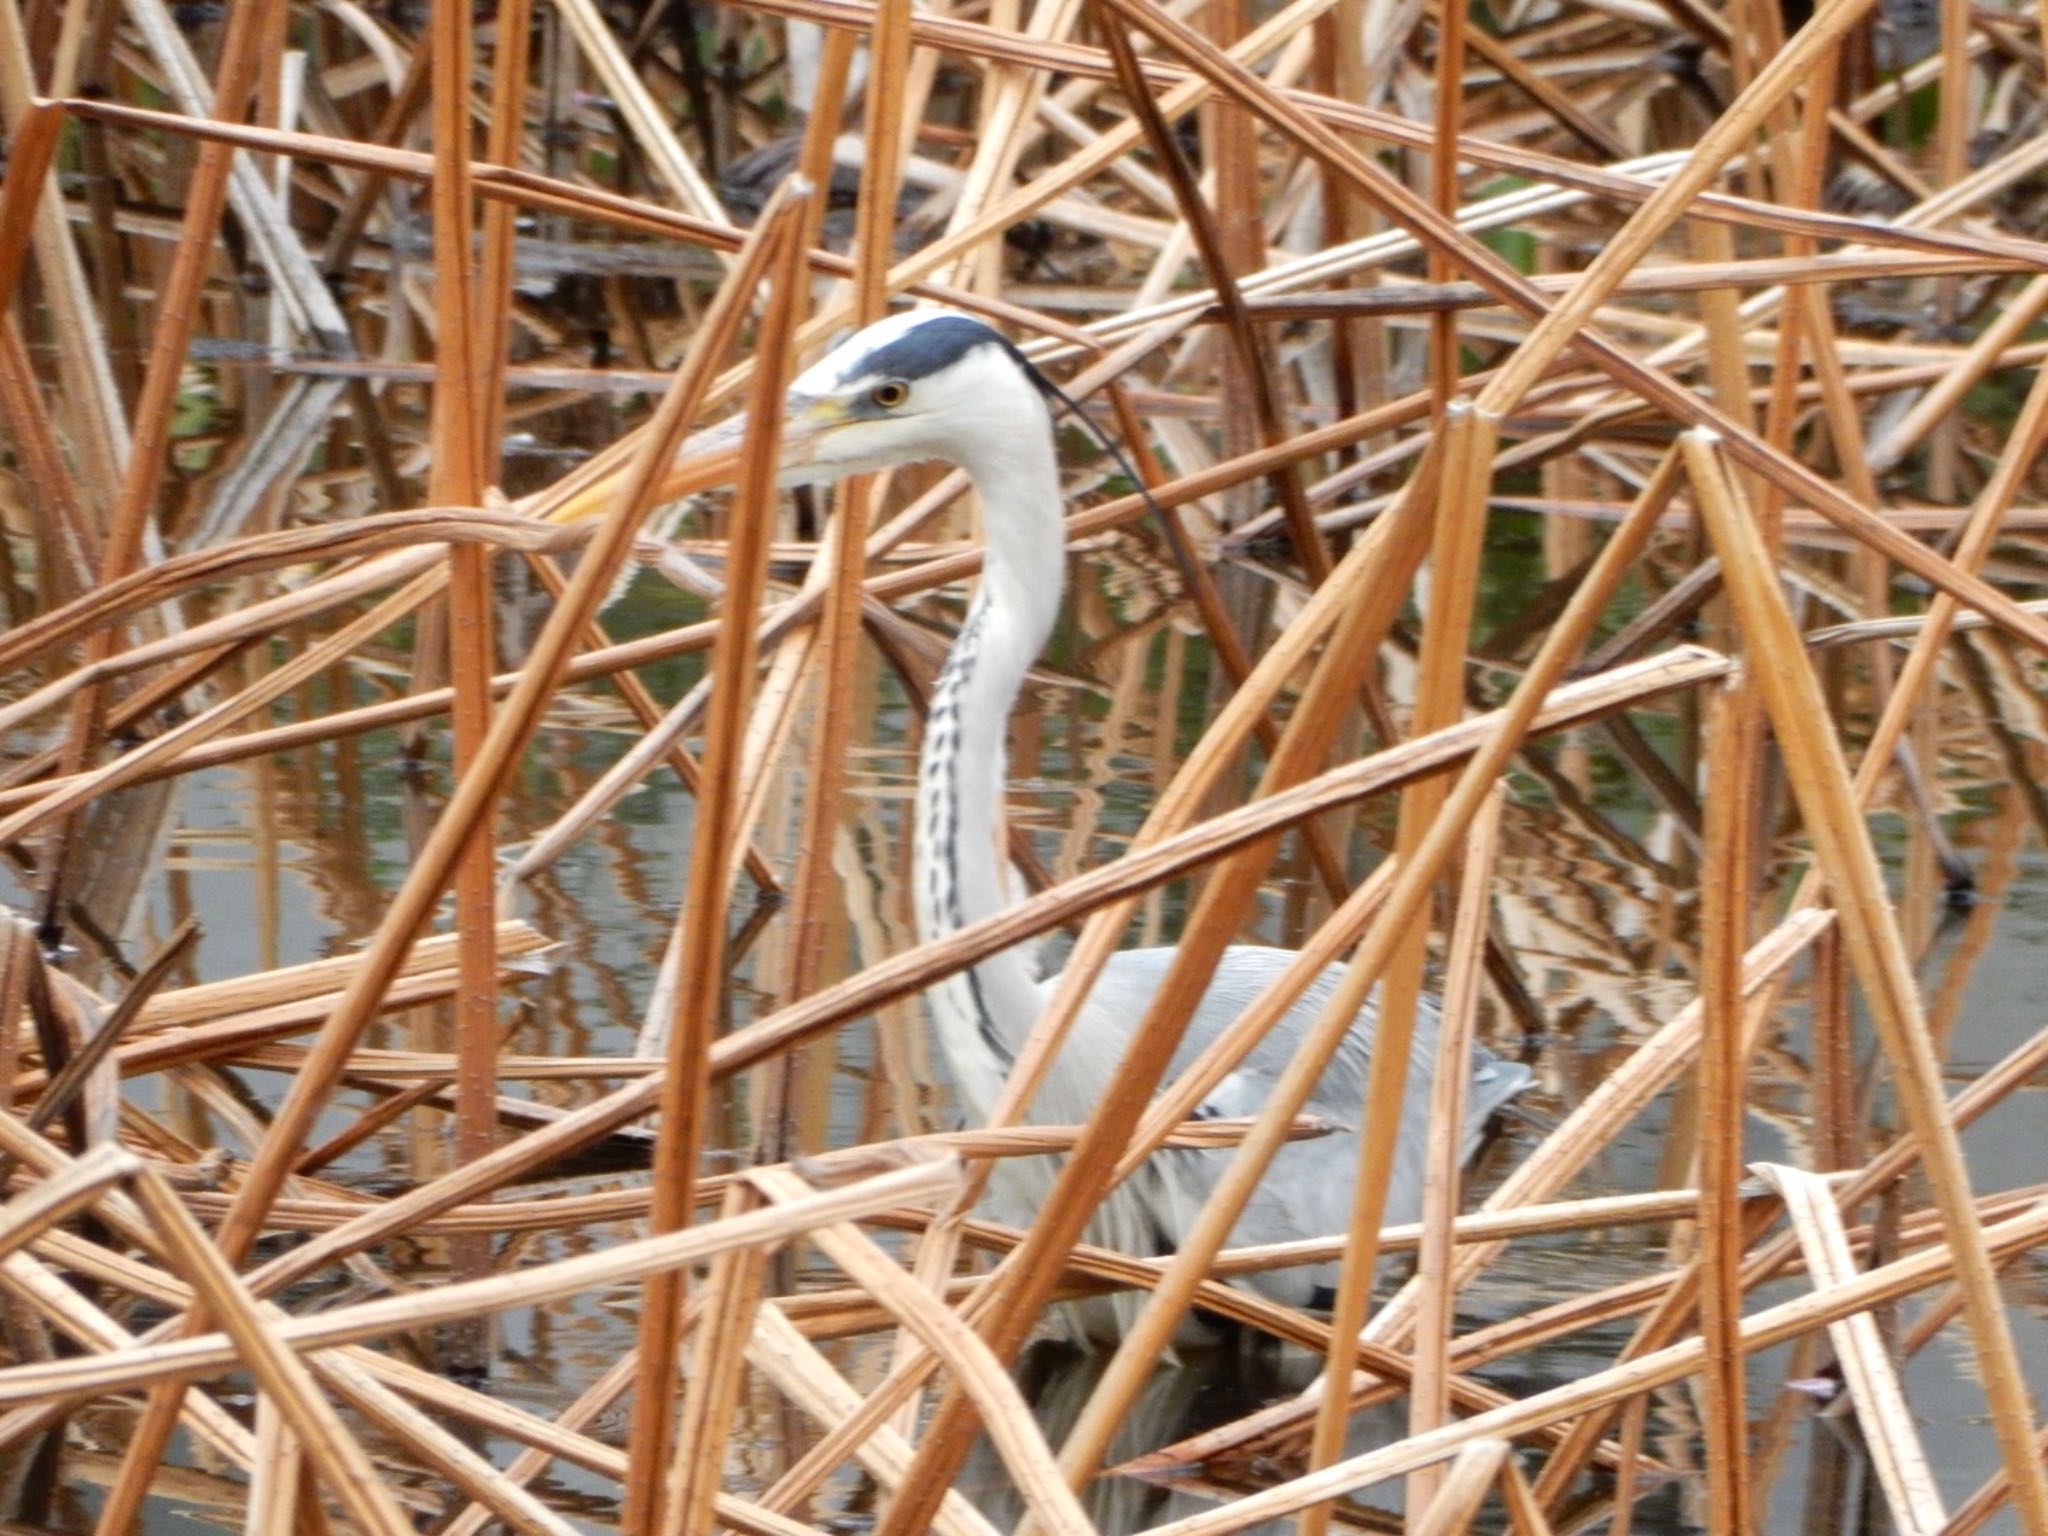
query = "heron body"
{"x": 939, "y": 385}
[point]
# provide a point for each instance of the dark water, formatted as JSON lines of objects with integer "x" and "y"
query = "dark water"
{"x": 288, "y": 860}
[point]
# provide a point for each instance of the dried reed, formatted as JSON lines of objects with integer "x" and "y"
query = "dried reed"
{"x": 1440, "y": 286}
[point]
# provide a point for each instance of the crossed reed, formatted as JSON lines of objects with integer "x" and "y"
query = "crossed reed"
{"x": 1734, "y": 312}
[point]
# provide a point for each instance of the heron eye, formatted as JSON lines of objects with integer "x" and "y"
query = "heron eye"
{"x": 890, "y": 393}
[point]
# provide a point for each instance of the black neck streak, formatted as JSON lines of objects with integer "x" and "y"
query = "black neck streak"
{"x": 941, "y": 829}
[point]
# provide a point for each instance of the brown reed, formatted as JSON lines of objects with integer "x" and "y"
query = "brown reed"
{"x": 1426, "y": 259}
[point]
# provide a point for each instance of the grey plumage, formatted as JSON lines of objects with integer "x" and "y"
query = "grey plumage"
{"x": 933, "y": 385}
{"x": 1307, "y": 1189}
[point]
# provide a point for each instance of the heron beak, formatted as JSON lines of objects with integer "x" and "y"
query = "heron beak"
{"x": 706, "y": 459}
{"x": 807, "y": 421}
{"x": 712, "y": 458}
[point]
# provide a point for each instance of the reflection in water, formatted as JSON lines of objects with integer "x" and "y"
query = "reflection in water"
{"x": 1198, "y": 1390}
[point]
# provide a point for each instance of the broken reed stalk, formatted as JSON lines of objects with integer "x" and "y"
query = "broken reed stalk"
{"x": 76, "y": 790}
{"x": 497, "y": 265}
{"x": 367, "y": 1381}
{"x": 1525, "y": 1515}
{"x": 1466, "y": 1484}
{"x": 1900, "y": 1463}
{"x": 530, "y": 1463}
{"x": 786, "y": 1356}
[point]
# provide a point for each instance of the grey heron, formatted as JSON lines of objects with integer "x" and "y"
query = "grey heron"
{"x": 941, "y": 385}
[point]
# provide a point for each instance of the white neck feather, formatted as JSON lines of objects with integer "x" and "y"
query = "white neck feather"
{"x": 959, "y": 852}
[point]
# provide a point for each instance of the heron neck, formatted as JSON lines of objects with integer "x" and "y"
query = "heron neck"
{"x": 960, "y": 853}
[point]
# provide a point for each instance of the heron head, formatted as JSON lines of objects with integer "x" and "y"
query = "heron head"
{"x": 928, "y": 384}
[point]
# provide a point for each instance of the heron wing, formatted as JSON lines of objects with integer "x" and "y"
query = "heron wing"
{"x": 1307, "y": 1191}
